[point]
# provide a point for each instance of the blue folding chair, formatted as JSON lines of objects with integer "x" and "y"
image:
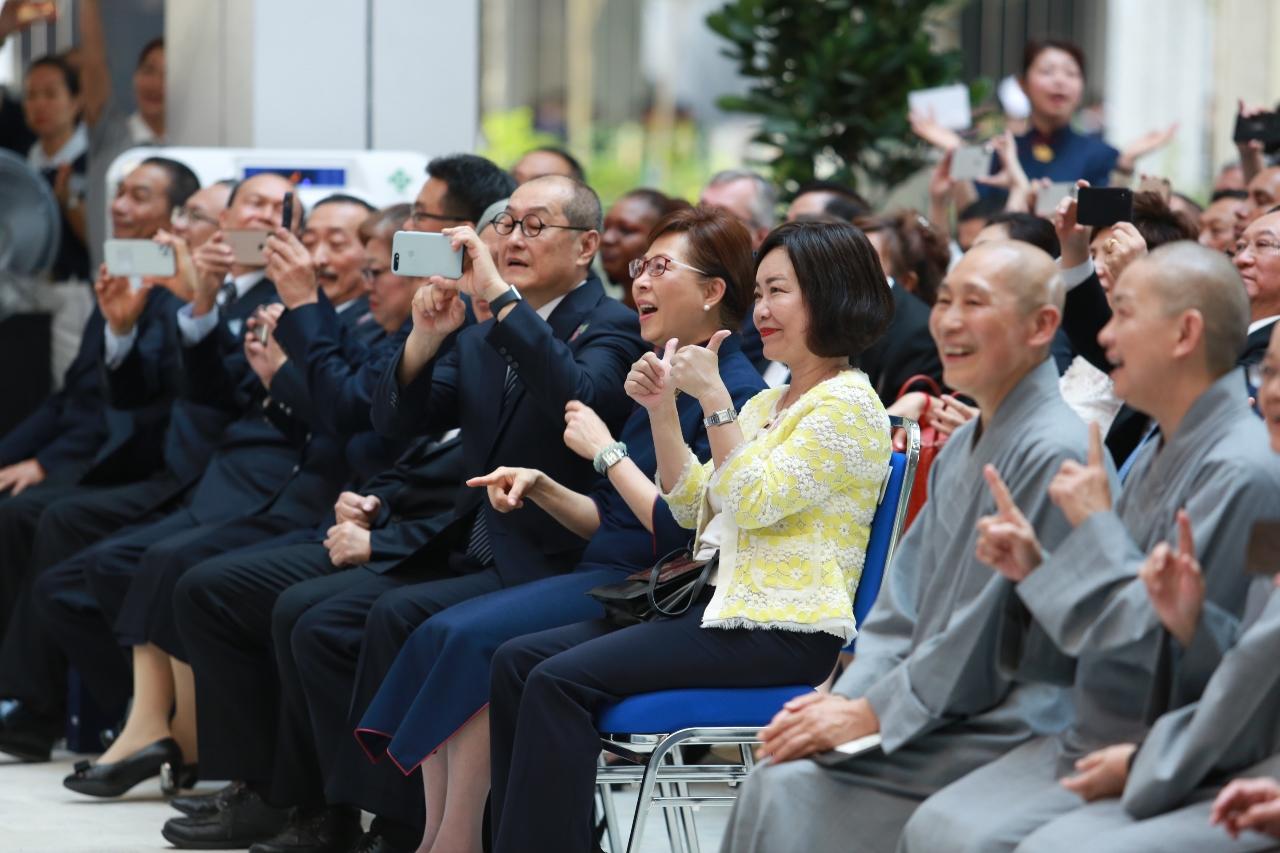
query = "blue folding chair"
{"x": 650, "y": 728}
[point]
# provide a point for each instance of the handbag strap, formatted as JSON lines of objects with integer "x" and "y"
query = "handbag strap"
{"x": 693, "y": 590}
{"x": 920, "y": 379}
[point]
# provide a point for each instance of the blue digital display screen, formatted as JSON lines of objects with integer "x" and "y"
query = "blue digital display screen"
{"x": 303, "y": 177}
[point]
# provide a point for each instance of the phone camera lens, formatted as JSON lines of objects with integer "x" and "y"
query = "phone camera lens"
{"x": 395, "y": 262}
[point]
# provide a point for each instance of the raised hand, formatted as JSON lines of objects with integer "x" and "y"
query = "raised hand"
{"x": 437, "y": 311}
{"x": 480, "y": 278}
{"x": 1151, "y": 141}
{"x": 1122, "y": 248}
{"x": 18, "y": 15}
{"x": 290, "y": 268}
{"x": 927, "y": 128}
{"x": 1175, "y": 583}
{"x": 1006, "y": 541}
{"x": 1072, "y": 236}
{"x": 357, "y": 509}
{"x": 695, "y": 370}
{"x": 1081, "y": 490}
{"x": 1248, "y": 804}
{"x": 1252, "y": 153}
{"x": 266, "y": 359}
{"x": 649, "y": 383}
{"x": 584, "y": 433}
{"x": 183, "y": 282}
{"x": 213, "y": 261}
{"x": 1101, "y": 774}
{"x": 120, "y": 303}
{"x": 508, "y": 487}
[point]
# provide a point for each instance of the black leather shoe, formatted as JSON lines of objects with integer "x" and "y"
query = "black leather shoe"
{"x": 199, "y": 805}
{"x": 332, "y": 829}
{"x": 114, "y": 779}
{"x": 374, "y": 842}
{"x": 243, "y": 818}
{"x": 175, "y": 777}
{"x": 25, "y": 735}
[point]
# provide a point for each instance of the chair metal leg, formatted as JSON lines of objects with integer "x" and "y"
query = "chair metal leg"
{"x": 609, "y": 813}
{"x": 675, "y": 828}
{"x": 689, "y": 826}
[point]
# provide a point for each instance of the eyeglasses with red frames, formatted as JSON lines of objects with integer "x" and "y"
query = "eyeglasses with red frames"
{"x": 657, "y": 266}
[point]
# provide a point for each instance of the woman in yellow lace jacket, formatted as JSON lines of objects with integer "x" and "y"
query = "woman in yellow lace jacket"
{"x": 787, "y": 499}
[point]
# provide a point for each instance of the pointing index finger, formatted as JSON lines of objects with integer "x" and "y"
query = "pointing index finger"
{"x": 1186, "y": 543}
{"x": 1095, "y": 445}
{"x": 1004, "y": 500}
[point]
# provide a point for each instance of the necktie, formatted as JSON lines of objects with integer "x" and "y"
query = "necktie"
{"x": 478, "y": 546}
{"x": 227, "y": 294}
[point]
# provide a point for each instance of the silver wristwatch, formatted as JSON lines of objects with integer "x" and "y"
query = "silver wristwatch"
{"x": 610, "y": 456}
{"x": 720, "y": 418}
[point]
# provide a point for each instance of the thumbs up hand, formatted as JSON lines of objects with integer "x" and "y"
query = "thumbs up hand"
{"x": 1081, "y": 490}
{"x": 1006, "y": 541}
{"x": 695, "y": 370}
{"x": 1175, "y": 583}
{"x": 648, "y": 382}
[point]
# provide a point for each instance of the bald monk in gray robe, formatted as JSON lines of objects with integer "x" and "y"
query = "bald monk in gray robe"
{"x": 1234, "y": 729}
{"x": 996, "y": 316}
{"x": 1180, "y": 320}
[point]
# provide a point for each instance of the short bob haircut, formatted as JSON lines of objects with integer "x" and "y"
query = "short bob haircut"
{"x": 720, "y": 246}
{"x": 842, "y": 284}
{"x": 1034, "y": 48}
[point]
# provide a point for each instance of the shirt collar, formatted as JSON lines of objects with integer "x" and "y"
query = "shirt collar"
{"x": 545, "y": 311}
{"x": 75, "y": 146}
{"x": 244, "y": 283}
{"x": 1263, "y": 323}
{"x": 140, "y": 132}
{"x": 338, "y": 309}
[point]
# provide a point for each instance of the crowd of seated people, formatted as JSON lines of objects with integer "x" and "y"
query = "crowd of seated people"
{"x": 335, "y": 539}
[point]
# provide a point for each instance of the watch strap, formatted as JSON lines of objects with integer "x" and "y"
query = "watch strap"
{"x": 721, "y": 417}
{"x": 512, "y": 295}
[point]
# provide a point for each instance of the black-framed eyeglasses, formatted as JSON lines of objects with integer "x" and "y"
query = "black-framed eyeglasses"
{"x": 530, "y": 226}
{"x": 657, "y": 266}
{"x": 419, "y": 217}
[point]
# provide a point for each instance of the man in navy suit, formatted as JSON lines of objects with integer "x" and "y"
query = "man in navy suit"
{"x": 148, "y": 368}
{"x": 555, "y": 337}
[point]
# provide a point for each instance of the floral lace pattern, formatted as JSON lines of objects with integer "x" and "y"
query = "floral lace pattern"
{"x": 798, "y": 499}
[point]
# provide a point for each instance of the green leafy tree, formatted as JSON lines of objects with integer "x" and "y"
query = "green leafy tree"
{"x": 829, "y": 79}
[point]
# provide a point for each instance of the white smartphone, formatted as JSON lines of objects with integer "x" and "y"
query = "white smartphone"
{"x": 969, "y": 162}
{"x": 248, "y": 245}
{"x": 138, "y": 258}
{"x": 419, "y": 253}
{"x": 947, "y": 105}
{"x": 1047, "y": 199}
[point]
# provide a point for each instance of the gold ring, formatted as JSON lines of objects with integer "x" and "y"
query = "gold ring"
{"x": 1112, "y": 244}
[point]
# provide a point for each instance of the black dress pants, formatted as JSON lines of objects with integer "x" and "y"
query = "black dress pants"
{"x": 223, "y": 611}
{"x": 319, "y": 632}
{"x": 32, "y": 665}
{"x": 547, "y": 688}
{"x": 19, "y": 515}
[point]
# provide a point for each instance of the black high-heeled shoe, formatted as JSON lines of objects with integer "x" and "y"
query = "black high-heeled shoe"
{"x": 177, "y": 778}
{"x": 116, "y": 778}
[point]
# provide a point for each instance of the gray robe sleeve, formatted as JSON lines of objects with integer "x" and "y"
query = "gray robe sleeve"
{"x": 1233, "y": 725}
{"x": 1087, "y": 594}
{"x": 955, "y": 672}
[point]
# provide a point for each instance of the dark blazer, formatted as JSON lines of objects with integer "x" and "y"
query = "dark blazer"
{"x": 1255, "y": 346}
{"x": 906, "y": 349}
{"x": 582, "y": 353}
{"x": 65, "y": 432}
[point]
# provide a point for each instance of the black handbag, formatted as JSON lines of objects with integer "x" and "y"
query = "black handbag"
{"x": 669, "y": 588}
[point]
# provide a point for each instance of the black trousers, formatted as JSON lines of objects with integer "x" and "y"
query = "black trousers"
{"x": 546, "y": 689}
{"x": 319, "y": 630}
{"x": 223, "y": 610}
{"x": 19, "y": 515}
{"x": 32, "y": 665}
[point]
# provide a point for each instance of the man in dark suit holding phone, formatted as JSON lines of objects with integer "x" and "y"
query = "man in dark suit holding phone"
{"x": 555, "y": 337}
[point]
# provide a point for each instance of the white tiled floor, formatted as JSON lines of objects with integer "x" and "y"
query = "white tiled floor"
{"x": 37, "y": 813}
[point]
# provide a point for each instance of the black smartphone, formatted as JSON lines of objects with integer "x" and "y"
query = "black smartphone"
{"x": 1263, "y": 126}
{"x": 286, "y": 214}
{"x": 1104, "y": 206}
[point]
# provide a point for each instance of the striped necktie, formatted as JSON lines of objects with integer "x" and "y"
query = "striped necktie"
{"x": 478, "y": 545}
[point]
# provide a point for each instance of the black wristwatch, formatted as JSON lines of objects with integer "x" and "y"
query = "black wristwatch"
{"x": 511, "y": 296}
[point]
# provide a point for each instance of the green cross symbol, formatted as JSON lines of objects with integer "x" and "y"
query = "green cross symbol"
{"x": 399, "y": 179}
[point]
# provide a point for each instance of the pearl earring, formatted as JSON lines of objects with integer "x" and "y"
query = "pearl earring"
{"x": 706, "y": 307}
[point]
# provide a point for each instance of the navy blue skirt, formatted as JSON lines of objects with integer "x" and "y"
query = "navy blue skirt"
{"x": 440, "y": 679}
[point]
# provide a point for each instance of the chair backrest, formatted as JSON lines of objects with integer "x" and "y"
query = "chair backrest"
{"x": 890, "y": 516}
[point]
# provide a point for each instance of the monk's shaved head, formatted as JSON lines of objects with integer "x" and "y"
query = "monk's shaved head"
{"x": 1025, "y": 270}
{"x": 1186, "y": 276}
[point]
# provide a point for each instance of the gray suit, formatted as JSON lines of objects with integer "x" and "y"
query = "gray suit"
{"x": 926, "y": 655}
{"x": 1192, "y": 751}
{"x": 1087, "y": 599}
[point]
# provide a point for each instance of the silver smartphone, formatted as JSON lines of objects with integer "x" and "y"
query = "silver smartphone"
{"x": 420, "y": 253}
{"x": 1047, "y": 199}
{"x": 248, "y": 245}
{"x": 969, "y": 162}
{"x": 138, "y": 258}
